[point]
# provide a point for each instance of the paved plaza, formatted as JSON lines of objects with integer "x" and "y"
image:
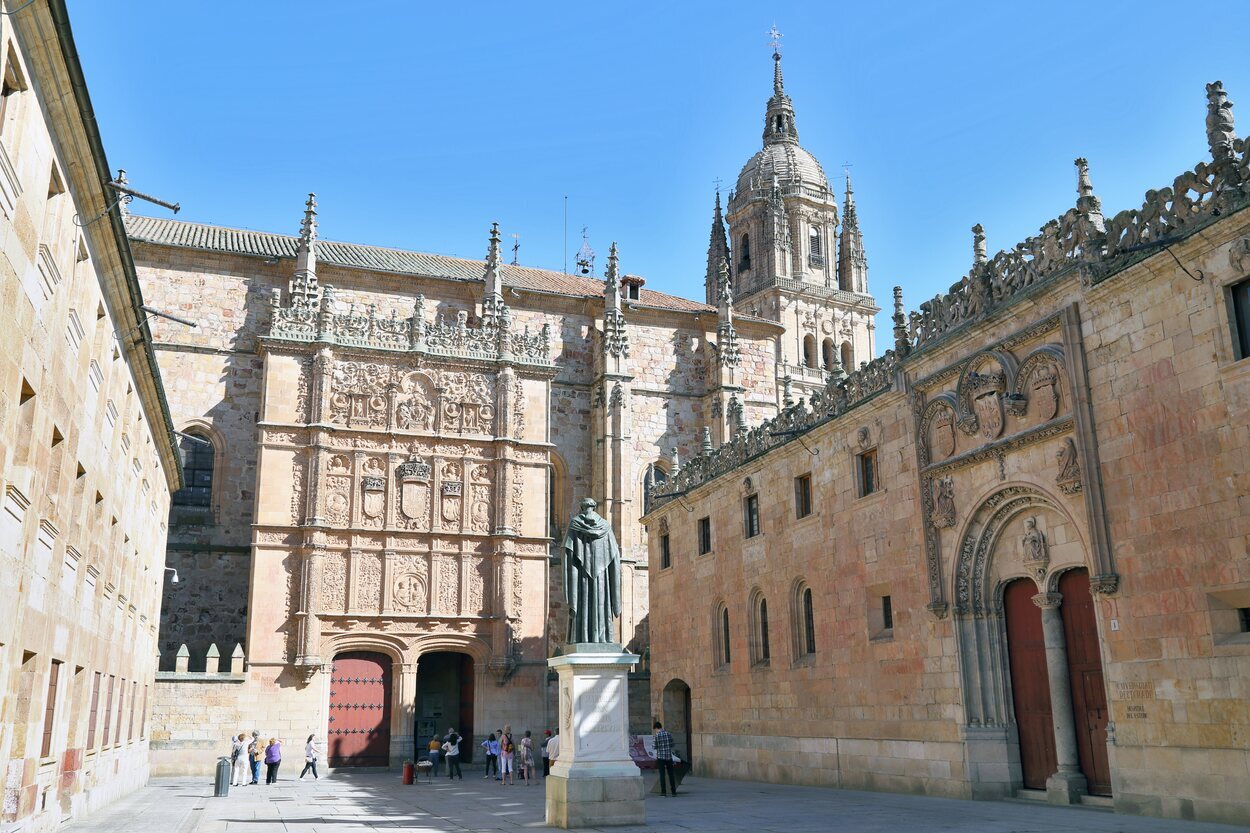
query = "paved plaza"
{"x": 365, "y": 802}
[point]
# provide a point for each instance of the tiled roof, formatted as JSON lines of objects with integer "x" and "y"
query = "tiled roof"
{"x": 355, "y": 256}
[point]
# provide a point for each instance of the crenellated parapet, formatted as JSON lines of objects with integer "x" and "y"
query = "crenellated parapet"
{"x": 1081, "y": 240}
{"x": 494, "y": 340}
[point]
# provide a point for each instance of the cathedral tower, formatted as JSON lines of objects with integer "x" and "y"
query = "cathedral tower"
{"x": 783, "y": 227}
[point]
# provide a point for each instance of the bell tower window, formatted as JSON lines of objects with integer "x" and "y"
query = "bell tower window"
{"x": 815, "y": 249}
{"x": 744, "y": 252}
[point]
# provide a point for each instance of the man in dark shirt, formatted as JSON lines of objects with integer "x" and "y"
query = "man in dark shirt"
{"x": 664, "y": 756}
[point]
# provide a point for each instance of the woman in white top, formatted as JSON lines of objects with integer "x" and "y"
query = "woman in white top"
{"x": 239, "y": 764}
{"x": 311, "y": 754}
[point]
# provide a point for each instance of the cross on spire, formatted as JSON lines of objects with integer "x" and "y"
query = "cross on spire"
{"x": 774, "y": 39}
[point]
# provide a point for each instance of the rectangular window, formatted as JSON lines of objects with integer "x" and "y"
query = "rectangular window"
{"x": 143, "y": 715}
{"x": 1243, "y": 618}
{"x": 93, "y": 715}
{"x": 868, "y": 472}
{"x": 49, "y": 711}
{"x": 887, "y": 613}
{"x": 751, "y": 515}
{"x": 705, "y": 536}
{"x": 1240, "y": 302}
{"x": 803, "y": 496}
{"x": 134, "y": 696}
{"x": 121, "y": 712}
{"x": 666, "y": 559}
{"x": 108, "y": 712}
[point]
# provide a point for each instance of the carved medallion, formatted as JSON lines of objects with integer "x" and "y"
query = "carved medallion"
{"x": 409, "y": 591}
{"x": 1046, "y": 391}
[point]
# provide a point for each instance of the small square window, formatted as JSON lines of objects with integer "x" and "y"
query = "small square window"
{"x": 868, "y": 481}
{"x": 666, "y": 560}
{"x": 1239, "y": 301}
{"x": 705, "y": 536}
{"x": 751, "y": 515}
{"x": 803, "y": 496}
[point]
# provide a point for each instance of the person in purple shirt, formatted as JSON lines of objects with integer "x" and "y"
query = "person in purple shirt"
{"x": 273, "y": 759}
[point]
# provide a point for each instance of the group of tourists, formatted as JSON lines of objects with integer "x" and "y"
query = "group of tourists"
{"x": 246, "y": 756}
{"x": 507, "y": 756}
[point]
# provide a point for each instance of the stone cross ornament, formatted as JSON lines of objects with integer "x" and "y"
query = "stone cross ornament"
{"x": 592, "y": 577}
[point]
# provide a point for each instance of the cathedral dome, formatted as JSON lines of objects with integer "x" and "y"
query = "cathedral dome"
{"x": 788, "y": 162}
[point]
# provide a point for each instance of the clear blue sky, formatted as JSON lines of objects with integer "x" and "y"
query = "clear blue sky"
{"x": 418, "y": 124}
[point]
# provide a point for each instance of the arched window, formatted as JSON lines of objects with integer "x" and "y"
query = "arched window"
{"x": 761, "y": 651}
{"x": 815, "y": 248}
{"x": 720, "y": 635}
{"x": 826, "y": 350}
{"x": 659, "y": 477}
{"x": 809, "y": 351}
{"x": 803, "y": 619}
{"x": 557, "y": 496}
{"x": 744, "y": 252}
{"x": 848, "y": 357}
{"x": 198, "y": 455}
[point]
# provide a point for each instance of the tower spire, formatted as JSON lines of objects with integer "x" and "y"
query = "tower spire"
{"x": 852, "y": 261}
{"x": 717, "y": 251}
{"x": 779, "y": 118}
{"x": 304, "y": 289}
{"x": 493, "y": 306}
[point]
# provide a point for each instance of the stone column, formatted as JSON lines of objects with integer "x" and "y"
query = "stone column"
{"x": 1067, "y": 785}
{"x": 403, "y": 709}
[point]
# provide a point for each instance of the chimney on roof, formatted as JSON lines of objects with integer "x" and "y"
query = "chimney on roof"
{"x": 633, "y": 286}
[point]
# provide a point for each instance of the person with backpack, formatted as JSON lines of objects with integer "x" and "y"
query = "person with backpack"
{"x": 451, "y": 751}
{"x": 507, "y": 750}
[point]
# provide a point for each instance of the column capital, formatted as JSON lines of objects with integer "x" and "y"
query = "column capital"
{"x": 1048, "y": 601}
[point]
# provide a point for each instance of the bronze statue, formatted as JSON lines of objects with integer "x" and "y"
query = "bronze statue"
{"x": 592, "y": 576}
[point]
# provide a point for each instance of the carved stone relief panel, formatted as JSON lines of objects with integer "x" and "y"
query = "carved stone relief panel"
{"x": 368, "y": 581}
{"x": 452, "y": 495}
{"x": 338, "y": 488}
{"x": 1069, "y": 477}
{"x": 414, "y": 477}
{"x": 358, "y": 394}
{"x": 415, "y": 403}
{"x": 468, "y": 403}
{"x": 298, "y": 488}
{"x": 410, "y": 585}
{"x": 942, "y": 434}
{"x": 448, "y": 585}
{"x": 334, "y": 582}
{"x": 479, "y": 587}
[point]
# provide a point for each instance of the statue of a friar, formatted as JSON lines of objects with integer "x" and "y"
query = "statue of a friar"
{"x": 592, "y": 576}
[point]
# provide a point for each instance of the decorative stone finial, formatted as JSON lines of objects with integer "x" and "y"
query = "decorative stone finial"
{"x": 674, "y": 464}
{"x": 724, "y": 291}
{"x": 492, "y": 251}
{"x": 707, "y": 441}
{"x": 304, "y": 290}
{"x": 902, "y": 344}
{"x": 978, "y": 245}
{"x": 852, "y": 260}
{"x": 308, "y": 228}
{"x": 613, "y": 275}
{"x": 717, "y": 250}
{"x": 787, "y": 392}
{"x": 1220, "y": 133}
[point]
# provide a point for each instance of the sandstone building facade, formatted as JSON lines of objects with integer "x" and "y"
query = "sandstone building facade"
{"x": 87, "y": 457}
{"x": 1010, "y": 555}
{"x": 384, "y": 447}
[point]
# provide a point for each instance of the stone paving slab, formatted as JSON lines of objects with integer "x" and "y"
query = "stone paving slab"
{"x": 345, "y": 802}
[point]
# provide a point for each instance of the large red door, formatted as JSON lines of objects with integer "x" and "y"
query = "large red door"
{"x": 1030, "y": 685}
{"x": 1089, "y": 695}
{"x": 360, "y": 710}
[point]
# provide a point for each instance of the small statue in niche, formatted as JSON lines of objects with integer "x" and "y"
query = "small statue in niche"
{"x": 1069, "y": 477}
{"x": 1036, "y": 553}
{"x": 944, "y": 503}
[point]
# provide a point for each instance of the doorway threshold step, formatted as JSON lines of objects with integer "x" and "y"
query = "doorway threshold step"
{"x": 1099, "y": 802}
{"x": 1031, "y": 795}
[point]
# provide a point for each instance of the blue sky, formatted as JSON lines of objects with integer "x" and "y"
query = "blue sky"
{"x": 418, "y": 124}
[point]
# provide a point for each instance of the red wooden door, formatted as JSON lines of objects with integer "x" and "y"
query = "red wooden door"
{"x": 1030, "y": 686}
{"x": 1089, "y": 694}
{"x": 360, "y": 710}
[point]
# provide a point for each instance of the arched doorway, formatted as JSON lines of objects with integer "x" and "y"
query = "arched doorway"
{"x": 359, "y": 731}
{"x": 1030, "y": 686}
{"x": 677, "y": 718}
{"x": 445, "y": 699}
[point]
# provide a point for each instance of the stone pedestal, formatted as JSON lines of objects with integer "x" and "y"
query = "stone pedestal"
{"x": 594, "y": 782}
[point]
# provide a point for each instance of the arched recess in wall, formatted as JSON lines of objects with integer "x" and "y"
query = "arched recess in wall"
{"x": 201, "y": 450}
{"x": 721, "y": 635}
{"x": 744, "y": 252}
{"x": 848, "y": 357}
{"x": 827, "y": 353}
{"x": 757, "y": 620}
{"x": 558, "y": 498}
{"x": 810, "y": 358}
{"x": 802, "y": 620}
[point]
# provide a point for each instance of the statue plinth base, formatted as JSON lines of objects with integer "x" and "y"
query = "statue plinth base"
{"x": 594, "y": 782}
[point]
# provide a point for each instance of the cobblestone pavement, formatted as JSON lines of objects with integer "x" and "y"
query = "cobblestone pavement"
{"x": 369, "y": 802}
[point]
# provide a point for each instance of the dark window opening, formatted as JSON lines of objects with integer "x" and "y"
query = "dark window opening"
{"x": 705, "y": 536}
{"x": 887, "y": 613}
{"x": 666, "y": 560}
{"x": 197, "y": 472}
{"x": 744, "y": 252}
{"x": 49, "y": 712}
{"x": 803, "y": 496}
{"x": 765, "y": 653}
{"x": 724, "y": 635}
{"x": 868, "y": 473}
{"x": 1243, "y": 618}
{"x": 1241, "y": 314}
{"x": 751, "y": 515}
{"x": 809, "y": 622}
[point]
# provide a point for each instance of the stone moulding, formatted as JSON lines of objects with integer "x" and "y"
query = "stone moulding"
{"x": 322, "y": 322}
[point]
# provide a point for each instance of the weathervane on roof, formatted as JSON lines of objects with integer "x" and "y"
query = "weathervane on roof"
{"x": 585, "y": 261}
{"x": 774, "y": 39}
{"x": 516, "y": 248}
